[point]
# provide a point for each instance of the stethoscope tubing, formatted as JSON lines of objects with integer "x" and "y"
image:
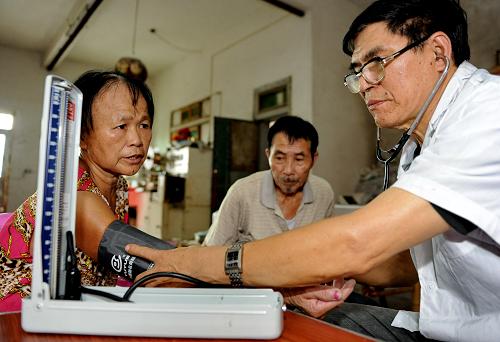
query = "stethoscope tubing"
{"x": 393, "y": 152}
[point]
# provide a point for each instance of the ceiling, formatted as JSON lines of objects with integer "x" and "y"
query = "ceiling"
{"x": 121, "y": 28}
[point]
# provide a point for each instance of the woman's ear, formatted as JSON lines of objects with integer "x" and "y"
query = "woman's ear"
{"x": 83, "y": 143}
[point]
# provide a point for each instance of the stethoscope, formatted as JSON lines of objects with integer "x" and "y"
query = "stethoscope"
{"x": 386, "y": 156}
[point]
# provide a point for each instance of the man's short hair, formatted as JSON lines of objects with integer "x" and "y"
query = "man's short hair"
{"x": 416, "y": 19}
{"x": 294, "y": 128}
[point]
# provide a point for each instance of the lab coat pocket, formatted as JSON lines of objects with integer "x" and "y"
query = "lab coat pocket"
{"x": 455, "y": 245}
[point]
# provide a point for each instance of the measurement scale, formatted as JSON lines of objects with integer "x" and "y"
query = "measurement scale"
{"x": 59, "y": 170}
{"x": 57, "y": 176}
{"x": 153, "y": 312}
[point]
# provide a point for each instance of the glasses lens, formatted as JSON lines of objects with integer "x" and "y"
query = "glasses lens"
{"x": 352, "y": 83}
{"x": 373, "y": 72}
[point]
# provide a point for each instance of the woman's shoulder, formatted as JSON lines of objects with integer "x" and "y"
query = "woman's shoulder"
{"x": 85, "y": 182}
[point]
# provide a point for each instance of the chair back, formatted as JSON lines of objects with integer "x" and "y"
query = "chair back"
{"x": 5, "y": 218}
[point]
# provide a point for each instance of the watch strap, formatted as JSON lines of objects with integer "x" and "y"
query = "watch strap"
{"x": 233, "y": 264}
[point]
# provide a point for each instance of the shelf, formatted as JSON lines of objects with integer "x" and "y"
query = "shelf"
{"x": 196, "y": 122}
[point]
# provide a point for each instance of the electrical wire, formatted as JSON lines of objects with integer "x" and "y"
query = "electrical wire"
{"x": 172, "y": 44}
{"x": 131, "y": 290}
{"x": 134, "y": 36}
{"x": 198, "y": 282}
{"x": 103, "y": 294}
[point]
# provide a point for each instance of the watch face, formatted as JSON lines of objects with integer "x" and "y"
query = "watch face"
{"x": 232, "y": 256}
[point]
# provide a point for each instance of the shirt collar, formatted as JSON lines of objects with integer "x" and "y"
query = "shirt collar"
{"x": 268, "y": 192}
{"x": 457, "y": 82}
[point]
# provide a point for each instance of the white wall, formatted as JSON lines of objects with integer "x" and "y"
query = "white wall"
{"x": 346, "y": 129}
{"x": 232, "y": 70}
{"x": 282, "y": 50}
{"x": 21, "y": 93}
{"x": 309, "y": 50}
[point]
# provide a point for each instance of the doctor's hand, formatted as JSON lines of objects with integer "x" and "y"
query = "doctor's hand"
{"x": 164, "y": 261}
{"x": 318, "y": 300}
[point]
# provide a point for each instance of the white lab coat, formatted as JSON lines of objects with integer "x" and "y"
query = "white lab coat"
{"x": 459, "y": 170}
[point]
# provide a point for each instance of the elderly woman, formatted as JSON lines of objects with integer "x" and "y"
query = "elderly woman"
{"x": 117, "y": 118}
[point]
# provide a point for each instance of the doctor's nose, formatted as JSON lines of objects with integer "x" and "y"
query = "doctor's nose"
{"x": 364, "y": 85}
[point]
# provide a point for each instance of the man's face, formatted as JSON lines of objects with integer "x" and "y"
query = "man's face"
{"x": 119, "y": 140}
{"x": 408, "y": 81}
{"x": 290, "y": 163}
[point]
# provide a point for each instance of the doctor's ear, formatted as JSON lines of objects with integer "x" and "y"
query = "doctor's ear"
{"x": 441, "y": 47}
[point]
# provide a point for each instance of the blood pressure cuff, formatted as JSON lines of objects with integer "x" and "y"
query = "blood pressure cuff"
{"x": 112, "y": 255}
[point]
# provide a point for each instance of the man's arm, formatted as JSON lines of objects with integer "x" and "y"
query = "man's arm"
{"x": 343, "y": 246}
{"x": 224, "y": 229}
{"x": 318, "y": 300}
{"x": 323, "y": 192}
{"x": 331, "y": 205}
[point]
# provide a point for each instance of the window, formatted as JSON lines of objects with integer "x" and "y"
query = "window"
{"x": 6, "y": 124}
{"x": 6, "y": 121}
{"x": 272, "y": 100}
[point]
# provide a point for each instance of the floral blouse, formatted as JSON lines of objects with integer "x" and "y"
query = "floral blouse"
{"x": 15, "y": 247}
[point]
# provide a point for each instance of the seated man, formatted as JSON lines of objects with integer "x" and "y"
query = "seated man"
{"x": 276, "y": 200}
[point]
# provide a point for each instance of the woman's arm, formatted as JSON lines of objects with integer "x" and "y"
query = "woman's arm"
{"x": 93, "y": 216}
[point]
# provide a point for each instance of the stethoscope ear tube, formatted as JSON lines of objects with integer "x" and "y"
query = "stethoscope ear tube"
{"x": 393, "y": 152}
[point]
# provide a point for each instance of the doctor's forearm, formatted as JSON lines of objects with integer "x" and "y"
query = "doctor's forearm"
{"x": 347, "y": 245}
{"x": 397, "y": 271}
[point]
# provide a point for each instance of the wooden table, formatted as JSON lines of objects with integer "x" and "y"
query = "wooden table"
{"x": 297, "y": 328}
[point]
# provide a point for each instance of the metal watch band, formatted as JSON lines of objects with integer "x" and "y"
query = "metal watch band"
{"x": 233, "y": 264}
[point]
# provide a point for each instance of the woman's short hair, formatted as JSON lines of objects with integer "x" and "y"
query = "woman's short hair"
{"x": 92, "y": 83}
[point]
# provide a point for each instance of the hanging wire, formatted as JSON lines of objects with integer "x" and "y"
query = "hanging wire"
{"x": 134, "y": 35}
{"x": 175, "y": 46}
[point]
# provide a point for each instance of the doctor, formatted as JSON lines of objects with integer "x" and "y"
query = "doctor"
{"x": 445, "y": 205}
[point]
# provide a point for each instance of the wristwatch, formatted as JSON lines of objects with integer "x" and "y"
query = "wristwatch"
{"x": 233, "y": 265}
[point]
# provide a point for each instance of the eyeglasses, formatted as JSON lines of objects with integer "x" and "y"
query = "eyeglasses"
{"x": 373, "y": 71}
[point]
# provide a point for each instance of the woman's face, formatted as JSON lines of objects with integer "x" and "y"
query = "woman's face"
{"x": 119, "y": 140}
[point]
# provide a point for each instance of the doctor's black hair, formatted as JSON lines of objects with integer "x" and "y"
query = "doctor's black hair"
{"x": 415, "y": 19}
{"x": 294, "y": 128}
{"x": 92, "y": 83}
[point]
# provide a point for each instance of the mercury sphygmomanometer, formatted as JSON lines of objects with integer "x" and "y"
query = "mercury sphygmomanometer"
{"x": 56, "y": 293}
